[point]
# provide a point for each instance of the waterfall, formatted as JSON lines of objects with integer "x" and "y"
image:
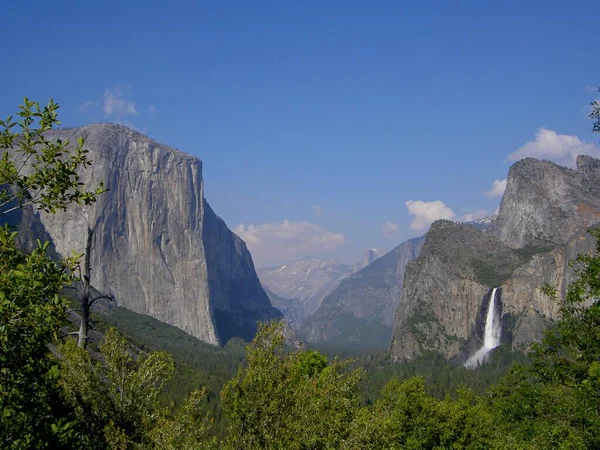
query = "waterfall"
{"x": 491, "y": 338}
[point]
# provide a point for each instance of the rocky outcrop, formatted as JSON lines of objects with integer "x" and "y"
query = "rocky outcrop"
{"x": 302, "y": 284}
{"x": 547, "y": 204}
{"x": 445, "y": 287}
{"x": 530, "y": 311}
{"x": 359, "y": 312}
{"x": 158, "y": 246}
{"x": 542, "y": 224}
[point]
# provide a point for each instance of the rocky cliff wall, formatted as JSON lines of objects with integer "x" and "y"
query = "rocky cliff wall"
{"x": 158, "y": 247}
{"x": 545, "y": 203}
{"x": 444, "y": 289}
{"x": 542, "y": 224}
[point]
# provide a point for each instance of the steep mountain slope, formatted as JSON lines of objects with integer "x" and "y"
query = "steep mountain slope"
{"x": 541, "y": 225}
{"x": 304, "y": 282}
{"x": 158, "y": 247}
{"x": 360, "y": 310}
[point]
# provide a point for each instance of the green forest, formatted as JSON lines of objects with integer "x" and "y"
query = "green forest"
{"x": 140, "y": 384}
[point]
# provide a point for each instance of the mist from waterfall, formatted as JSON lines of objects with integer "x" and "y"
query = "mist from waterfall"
{"x": 491, "y": 338}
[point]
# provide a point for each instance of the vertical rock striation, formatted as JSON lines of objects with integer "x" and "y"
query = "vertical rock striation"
{"x": 542, "y": 225}
{"x": 545, "y": 203}
{"x": 158, "y": 246}
{"x": 445, "y": 287}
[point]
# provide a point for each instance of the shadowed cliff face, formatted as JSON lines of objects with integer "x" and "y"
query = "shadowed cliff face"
{"x": 158, "y": 247}
{"x": 542, "y": 224}
{"x": 237, "y": 298}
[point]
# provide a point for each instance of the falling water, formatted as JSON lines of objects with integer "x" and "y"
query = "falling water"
{"x": 491, "y": 337}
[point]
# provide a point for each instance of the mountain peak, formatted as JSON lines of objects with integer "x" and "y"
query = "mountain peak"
{"x": 567, "y": 201}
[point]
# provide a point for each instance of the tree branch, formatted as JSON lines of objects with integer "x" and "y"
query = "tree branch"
{"x": 107, "y": 297}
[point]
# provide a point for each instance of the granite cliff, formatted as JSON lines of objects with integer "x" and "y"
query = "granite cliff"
{"x": 545, "y": 203}
{"x": 542, "y": 224}
{"x": 158, "y": 247}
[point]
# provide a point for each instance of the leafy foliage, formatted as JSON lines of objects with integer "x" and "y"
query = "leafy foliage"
{"x": 118, "y": 395}
{"x": 405, "y": 416}
{"x": 198, "y": 364}
{"x": 188, "y": 429}
{"x": 116, "y": 398}
{"x": 553, "y": 402}
{"x": 291, "y": 401}
{"x": 35, "y": 170}
{"x": 31, "y": 315}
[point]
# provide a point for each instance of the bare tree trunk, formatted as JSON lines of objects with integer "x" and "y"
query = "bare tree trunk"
{"x": 84, "y": 297}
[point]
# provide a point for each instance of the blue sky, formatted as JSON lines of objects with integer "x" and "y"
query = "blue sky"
{"x": 318, "y": 121}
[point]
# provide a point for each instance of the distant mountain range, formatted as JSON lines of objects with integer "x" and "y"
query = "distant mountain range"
{"x": 298, "y": 287}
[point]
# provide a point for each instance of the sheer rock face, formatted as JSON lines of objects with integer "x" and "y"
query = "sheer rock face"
{"x": 158, "y": 246}
{"x": 522, "y": 298}
{"x": 542, "y": 224}
{"x": 547, "y": 203}
{"x": 443, "y": 291}
{"x": 360, "y": 311}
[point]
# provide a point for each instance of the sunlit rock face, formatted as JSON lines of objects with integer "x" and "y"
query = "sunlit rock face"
{"x": 545, "y": 203}
{"x": 158, "y": 246}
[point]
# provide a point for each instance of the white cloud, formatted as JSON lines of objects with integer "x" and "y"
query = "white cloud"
{"x": 559, "y": 148}
{"x": 88, "y": 105}
{"x": 318, "y": 211}
{"x": 425, "y": 213}
{"x": 475, "y": 215}
{"x": 116, "y": 105}
{"x": 390, "y": 230}
{"x": 273, "y": 243}
{"x": 497, "y": 190}
{"x": 152, "y": 110}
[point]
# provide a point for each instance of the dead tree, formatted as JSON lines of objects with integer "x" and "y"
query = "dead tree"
{"x": 86, "y": 300}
